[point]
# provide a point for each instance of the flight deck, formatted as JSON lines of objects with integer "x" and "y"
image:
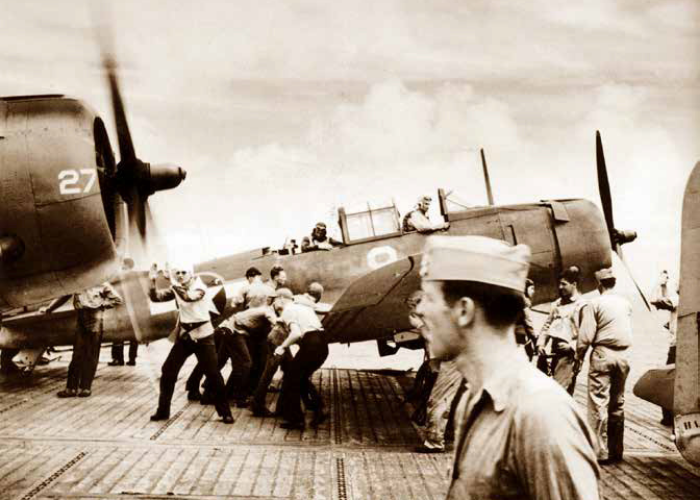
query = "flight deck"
{"x": 105, "y": 446}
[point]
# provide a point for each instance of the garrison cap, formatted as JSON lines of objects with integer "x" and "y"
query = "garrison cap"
{"x": 604, "y": 274}
{"x": 476, "y": 258}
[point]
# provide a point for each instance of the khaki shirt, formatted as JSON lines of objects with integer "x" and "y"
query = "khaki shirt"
{"x": 563, "y": 323}
{"x": 610, "y": 324}
{"x": 255, "y": 321}
{"x": 521, "y": 437}
{"x": 255, "y": 294}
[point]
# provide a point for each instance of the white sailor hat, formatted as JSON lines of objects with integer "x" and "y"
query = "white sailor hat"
{"x": 604, "y": 274}
{"x": 476, "y": 258}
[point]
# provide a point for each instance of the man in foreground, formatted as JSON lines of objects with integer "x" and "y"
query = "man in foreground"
{"x": 519, "y": 434}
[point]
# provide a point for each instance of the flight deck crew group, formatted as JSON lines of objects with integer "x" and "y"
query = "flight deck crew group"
{"x": 518, "y": 433}
{"x": 268, "y": 328}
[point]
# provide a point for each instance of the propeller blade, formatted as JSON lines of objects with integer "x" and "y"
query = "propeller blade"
{"x": 136, "y": 307}
{"x": 604, "y": 187}
{"x": 138, "y": 244}
{"x": 629, "y": 272}
{"x": 157, "y": 249}
{"x": 126, "y": 146}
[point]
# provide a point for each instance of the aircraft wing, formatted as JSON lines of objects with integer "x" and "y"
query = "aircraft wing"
{"x": 375, "y": 305}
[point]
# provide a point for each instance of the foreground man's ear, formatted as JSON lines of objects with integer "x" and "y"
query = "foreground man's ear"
{"x": 464, "y": 309}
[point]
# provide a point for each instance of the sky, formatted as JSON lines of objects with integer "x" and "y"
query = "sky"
{"x": 281, "y": 111}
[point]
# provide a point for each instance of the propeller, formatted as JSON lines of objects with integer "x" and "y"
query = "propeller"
{"x": 135, "y": 180}
{"x": 617, "y": 237}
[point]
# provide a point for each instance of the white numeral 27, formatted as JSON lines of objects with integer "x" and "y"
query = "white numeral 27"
{"x": 70, "y": 179}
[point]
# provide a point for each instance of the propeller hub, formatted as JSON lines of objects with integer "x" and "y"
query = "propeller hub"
{"x": 623, "y": 237}
{"x": 164, "y": 176}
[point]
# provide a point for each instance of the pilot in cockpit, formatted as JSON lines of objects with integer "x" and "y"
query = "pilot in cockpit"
{"x": 320, "y": 239}
{"x": 417, "y": 219}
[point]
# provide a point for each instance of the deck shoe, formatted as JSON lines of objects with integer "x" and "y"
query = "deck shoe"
{"x": 160, "y": 415}
{"x": 318, "y": 419}
{"x": 262, "y": 412}
{"x": 428, "y": 449}
{"x": 293, "y": 426}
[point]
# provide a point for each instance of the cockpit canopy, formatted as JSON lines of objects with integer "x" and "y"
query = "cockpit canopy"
{"x": 369, "y": 224}
{"x": 377, "y": 222}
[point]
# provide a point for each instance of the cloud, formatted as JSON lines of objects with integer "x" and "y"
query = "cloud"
{"x": 397, "y": 143}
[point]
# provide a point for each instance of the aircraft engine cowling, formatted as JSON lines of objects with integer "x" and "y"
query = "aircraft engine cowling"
{"x": 56, "y": 201}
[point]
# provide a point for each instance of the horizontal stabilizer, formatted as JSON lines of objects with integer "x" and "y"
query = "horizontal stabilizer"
{"x": 656, "y": 386}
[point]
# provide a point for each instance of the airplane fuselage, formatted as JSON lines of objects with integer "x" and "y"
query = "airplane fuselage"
{"x": 559, "y": 233}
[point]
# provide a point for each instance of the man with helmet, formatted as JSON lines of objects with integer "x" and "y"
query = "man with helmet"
{"x": 193, "y": 334}
{"x": 417, "y": 219}
{"x": 320, "y": 239}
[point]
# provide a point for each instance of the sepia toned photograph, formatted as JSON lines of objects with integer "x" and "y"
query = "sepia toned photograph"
{"x": 400, "y": 249}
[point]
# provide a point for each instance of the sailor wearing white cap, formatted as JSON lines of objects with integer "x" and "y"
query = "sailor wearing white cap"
{"x": 609, "y": 334}
{"x": 519, "y": 434}
{"x": 193, "y": 334}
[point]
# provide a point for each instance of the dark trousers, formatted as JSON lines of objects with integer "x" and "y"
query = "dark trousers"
{"x": 259, "y": 350}
{"x": 86, "y": 349}
{"x": 236, "y": 347}
{"x": 205, "y": 350}
{"x": 195, "y": 378}
{"x": 313, "y": 351}
{"x": 563, "y": 370}
{"x": 670, "y": 359}
{"x": 271, "y": 366}
{"x": 118, "y": 351}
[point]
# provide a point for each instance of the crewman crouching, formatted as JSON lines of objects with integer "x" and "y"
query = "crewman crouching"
{"x": 304, "y": 329}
